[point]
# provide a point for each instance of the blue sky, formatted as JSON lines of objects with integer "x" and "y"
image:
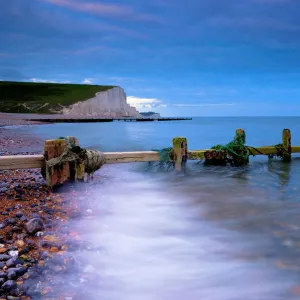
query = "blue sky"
{"x": 193, "y": 57}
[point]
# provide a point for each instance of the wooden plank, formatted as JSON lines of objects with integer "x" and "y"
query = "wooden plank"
{"x": 264, "y": 150}
{"x": 286, "y": 143}
{"x": 295, "y": 149}
{"x": 14, "y": 162}
{"x": 125, "y": 157}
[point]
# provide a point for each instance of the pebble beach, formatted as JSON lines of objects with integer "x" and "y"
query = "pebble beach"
{"x": 36, "y": 241}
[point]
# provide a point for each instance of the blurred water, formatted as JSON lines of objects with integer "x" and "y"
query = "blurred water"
{"x": 213, "y": 233}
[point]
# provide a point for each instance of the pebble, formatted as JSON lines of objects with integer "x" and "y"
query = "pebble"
{"x": 9, "y": 285}
{"x": 4, "y": 257}
{"x": 11, "y": 221}
{"x": 34, "y": 225}
{"x": 14, "y": 261}
{"x": 13, "y": 273}
{"x": 13, "y": 253}
{"x": 19, "y": 214}
{"x": 20, "y": 243}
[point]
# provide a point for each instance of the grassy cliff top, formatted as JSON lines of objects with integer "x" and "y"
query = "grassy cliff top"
{"x": 35, "y": 97}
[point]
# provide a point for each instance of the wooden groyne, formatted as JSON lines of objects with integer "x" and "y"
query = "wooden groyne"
{"x": 64, "y": 159}
{"x": 103, "y": 120}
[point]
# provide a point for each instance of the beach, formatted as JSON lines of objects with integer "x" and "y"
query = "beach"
{"x": 34, "y": 236}
{"x": 140, "y": 230}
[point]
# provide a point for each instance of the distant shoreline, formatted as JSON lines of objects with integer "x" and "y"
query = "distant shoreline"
{"x": 13, "y": 119}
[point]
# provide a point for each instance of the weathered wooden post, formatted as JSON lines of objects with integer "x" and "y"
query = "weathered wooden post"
{"x": 240, "y": 138}
{"x": 58, "y": 175}
{"x": 240, "y": 135}
{"x": 286, "y": 145}
{"x": 179, "y": 153}
{"x": 64, "y": 171}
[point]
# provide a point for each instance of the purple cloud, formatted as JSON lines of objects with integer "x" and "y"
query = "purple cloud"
{"x": 104, "y": 9}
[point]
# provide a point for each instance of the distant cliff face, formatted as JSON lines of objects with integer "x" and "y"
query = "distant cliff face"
{"x": 111, "y": 103}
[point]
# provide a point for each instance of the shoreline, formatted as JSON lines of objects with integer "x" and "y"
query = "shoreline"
{"x": 35, "y": 237}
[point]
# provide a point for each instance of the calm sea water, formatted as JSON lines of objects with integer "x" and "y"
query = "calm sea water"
{"x": 214, "y": 233}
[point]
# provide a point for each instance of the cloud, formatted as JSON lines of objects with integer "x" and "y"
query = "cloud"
{"x": 105, "y": 9}
{"x": 87, "y": 81}
{"x": 42, "y": 80}
{"x": 202, "y": 104}
{"x": 143, "y": 102}
{"x": 49, "y": 80}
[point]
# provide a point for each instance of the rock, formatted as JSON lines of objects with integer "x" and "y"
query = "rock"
{"x": 13, "y": 253}
{"x": 14, "y": 261}
{"x": 2, "y": 264}
{"x": 16, "y": 228}
{"x": 3, "y": 250}
{"x": 45, "y": 255}
{"x": 12, "y": 297}
{"x": 5, "y": 213}
{"x": 20, "y": 243}
{"x": 24, "y": 251}
{"x": 9, "y": 285}
{"x": 13, "y": 248}
{"x": 11, "y": 221}
{"x": 21, "y": 236}
{"x": 3, "y": 274}
{"x": 2, "y": 225}
{"x": 16, "y": 272}
{"x": 34, "y": 225}
{"x": 19, "y": 214}
{"x": 23, "y": 219}
{"x": 15, "y": 293}
{"x": 2, "y": 280}
{"x": 30, "y": 243}
{"x": 4, "y": 257}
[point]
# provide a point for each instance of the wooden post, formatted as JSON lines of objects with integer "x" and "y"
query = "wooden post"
{"x": 76, "y": 170}
{"x": 179, "y": 152}
{"x": 286, "y": 144}
{"x": 240, "y": 135}
{"x": 53, "y": 149}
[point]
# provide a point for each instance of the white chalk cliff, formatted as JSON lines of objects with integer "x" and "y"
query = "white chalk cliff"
{"x": 111, "y": 103}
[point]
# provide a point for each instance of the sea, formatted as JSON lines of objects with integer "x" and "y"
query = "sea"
{"x": 211, "y": 233}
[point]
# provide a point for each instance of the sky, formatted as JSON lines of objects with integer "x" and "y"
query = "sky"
{"x": 178, "y": 58}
